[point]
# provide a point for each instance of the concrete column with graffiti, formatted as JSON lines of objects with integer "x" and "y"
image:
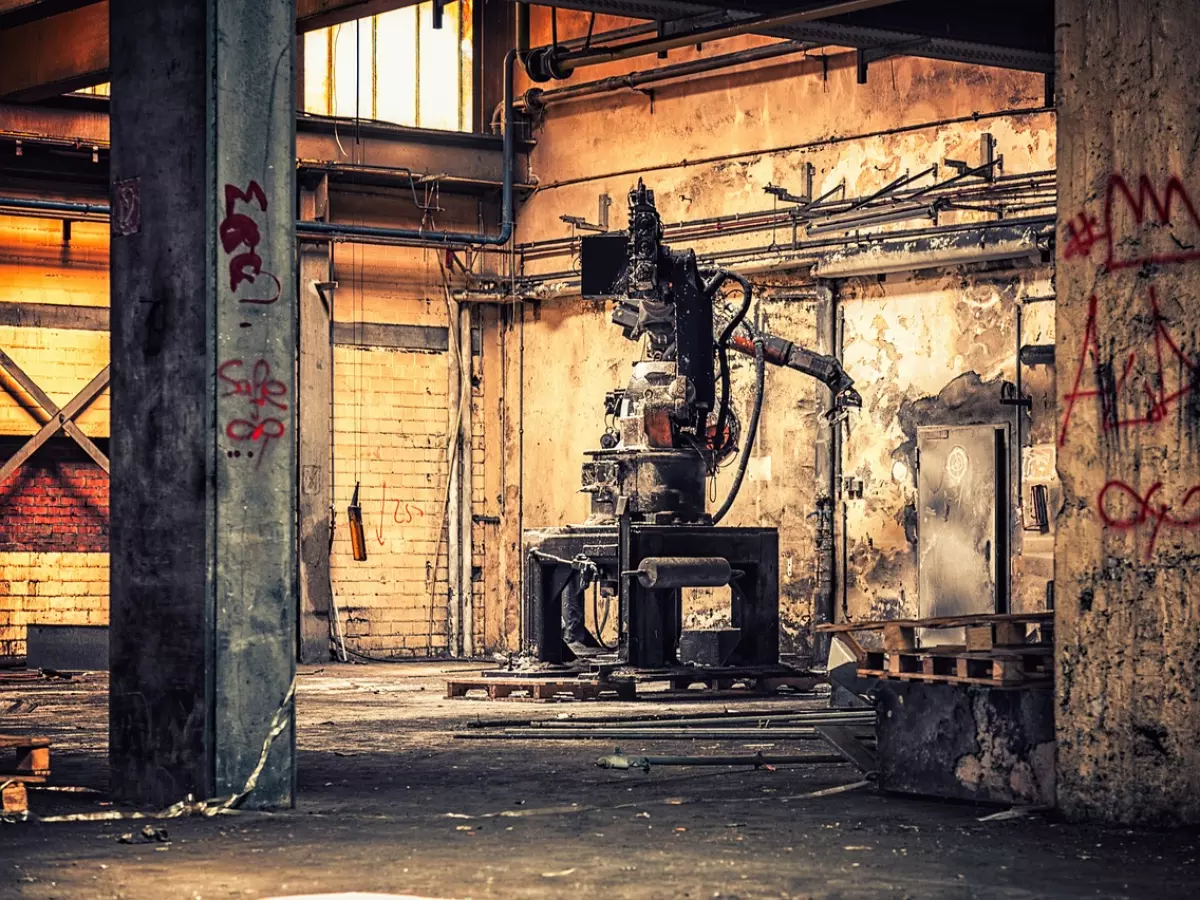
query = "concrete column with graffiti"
{"x": 1128, "y": 364}
{"x": 203, "y": 424}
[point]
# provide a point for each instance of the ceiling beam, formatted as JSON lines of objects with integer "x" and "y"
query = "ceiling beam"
{"x": 50, "y": 47}
{"x": 18, "y": 12}
{"x": 314, "y": 14}
{"x": 60, "y": 53}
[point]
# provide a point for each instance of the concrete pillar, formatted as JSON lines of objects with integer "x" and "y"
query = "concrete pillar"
{"x": 315, "y": 417}
{"x": 1127, "y": 550}
{"x": 203, "y": 532}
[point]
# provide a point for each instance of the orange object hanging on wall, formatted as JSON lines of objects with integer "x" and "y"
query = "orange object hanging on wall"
{"x": 358, "y": 539}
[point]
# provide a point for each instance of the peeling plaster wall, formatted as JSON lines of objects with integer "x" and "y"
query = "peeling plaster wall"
{"x": 563, "y": 353}
{"x": 934, "y": 349}
{"x": 1127, "y": 566}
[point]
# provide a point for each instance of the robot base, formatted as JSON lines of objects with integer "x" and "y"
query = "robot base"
{"x": 650, "y": 619}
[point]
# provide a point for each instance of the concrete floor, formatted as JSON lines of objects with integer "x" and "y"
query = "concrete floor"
{"x": 391, "y": 802}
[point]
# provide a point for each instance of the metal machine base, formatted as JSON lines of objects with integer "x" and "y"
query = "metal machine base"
{"x": 651, "y": 619}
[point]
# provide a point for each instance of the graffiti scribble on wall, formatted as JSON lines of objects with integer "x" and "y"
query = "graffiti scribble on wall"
{"x": 1149, "y": 225}
{"x": 1153, "y": 225}
{"x": 1122, "y": 508}
{"x": 1134, "y": 389}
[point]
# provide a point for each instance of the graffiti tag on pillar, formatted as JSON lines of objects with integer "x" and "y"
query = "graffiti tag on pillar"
{"x": 1134, "y": 381}
{"x": 263, "y": 395}
{"x": 1122, "y": 508}
{"x": 1150, "y": 225}
{"x": 240, "y": 236}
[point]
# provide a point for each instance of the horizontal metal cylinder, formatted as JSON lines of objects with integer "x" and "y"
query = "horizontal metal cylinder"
{"x": 666, "y": 572}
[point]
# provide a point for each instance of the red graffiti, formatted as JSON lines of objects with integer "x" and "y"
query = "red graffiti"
{"x": 1153, "y": 402}
{"x": 1138, "y": 509}
{"x": 1150, "y": 211}
{"x": 411, "y": 512}
{"x": 261, "y": 391}
{"x": 240, "y": 230}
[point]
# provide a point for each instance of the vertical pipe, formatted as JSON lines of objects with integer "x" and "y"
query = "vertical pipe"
{"x": 826, "y": 467}
{"x": 454, "y": 523}
{"x": 466, "y": 486}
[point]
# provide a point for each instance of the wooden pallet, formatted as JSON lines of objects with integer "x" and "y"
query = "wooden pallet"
{"x": 30, "y": 761}
{"x": 538, "y": 688}
{"x": 759, "y": 684}
{"x": 959, "y": 665}
{"x": 764, "y": 680}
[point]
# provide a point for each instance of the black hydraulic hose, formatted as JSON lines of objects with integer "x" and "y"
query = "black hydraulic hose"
{"x": 760, "y": 374}
{"x": 723, "y": 347}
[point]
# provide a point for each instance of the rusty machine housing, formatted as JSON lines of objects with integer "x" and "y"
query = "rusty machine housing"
{"x": 649, "y": 534}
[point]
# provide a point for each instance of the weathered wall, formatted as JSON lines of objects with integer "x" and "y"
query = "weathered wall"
{"x": 1128, "y": 619}
{"x": 54, "y": 509}
{"x": 933, "y": 350}
{"x": 708, "y": 146}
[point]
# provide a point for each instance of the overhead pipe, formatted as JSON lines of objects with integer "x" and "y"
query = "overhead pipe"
{"x": 369, "y": 232}
{"x": 548, "y": 63}
{"x": 538, "y": 99}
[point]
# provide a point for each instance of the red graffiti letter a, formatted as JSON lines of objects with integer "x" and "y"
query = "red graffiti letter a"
{"x": 1090, "y": 348}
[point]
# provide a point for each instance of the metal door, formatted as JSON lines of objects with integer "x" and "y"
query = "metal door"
{"x": 962, "y": 539}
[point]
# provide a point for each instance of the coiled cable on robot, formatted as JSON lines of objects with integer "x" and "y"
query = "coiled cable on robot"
{"x": 760, "y": 375}
{"x": 723, "y": 346}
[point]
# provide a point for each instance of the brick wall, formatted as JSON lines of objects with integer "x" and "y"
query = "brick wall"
{"x": 50, "y": 589}
{"x": 54, "y": 509}
{"x": 391, "y": 421}
{"x": 56, "y": 502}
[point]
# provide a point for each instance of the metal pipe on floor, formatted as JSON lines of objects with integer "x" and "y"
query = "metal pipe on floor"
{"x": 647, "y": 734}
{"x": 645, "y": 763}
{"x": 647, "y": 717}
{"x": 863, "y": 717}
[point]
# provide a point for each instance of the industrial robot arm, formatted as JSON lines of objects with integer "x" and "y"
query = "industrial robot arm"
{"x": 777, "y": 351}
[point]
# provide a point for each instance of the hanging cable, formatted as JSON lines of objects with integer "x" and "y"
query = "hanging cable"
{"x": 723, "y": 350}
{"x": 760, "y": 372}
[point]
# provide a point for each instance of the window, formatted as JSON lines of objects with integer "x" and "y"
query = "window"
{"x": 395, "y": 67}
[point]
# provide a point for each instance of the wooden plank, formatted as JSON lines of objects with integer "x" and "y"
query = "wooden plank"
{"x": 17, "y": 741}
{"x": 897, "y": 636}
{"x": 54, "y": 315}
{"x": 950, "y": 679}
{"x": 936, "y": 622}
{"x": 14, "y": 798}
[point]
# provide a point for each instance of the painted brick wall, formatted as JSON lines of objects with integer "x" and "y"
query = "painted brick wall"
{"x": 54, "y": 509}
{"x": 390, "y": 429}
{"x": 49, "y": 589}
{"x": 56, "y": 502}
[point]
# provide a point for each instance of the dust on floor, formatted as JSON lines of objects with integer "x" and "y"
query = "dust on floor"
{"x": 391, "y": 802}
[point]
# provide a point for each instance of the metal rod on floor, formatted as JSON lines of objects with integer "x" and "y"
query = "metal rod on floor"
{"x": 631, "y": 734}
{"x": 645, "y": 763}
{"x": 654, "y": 717}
